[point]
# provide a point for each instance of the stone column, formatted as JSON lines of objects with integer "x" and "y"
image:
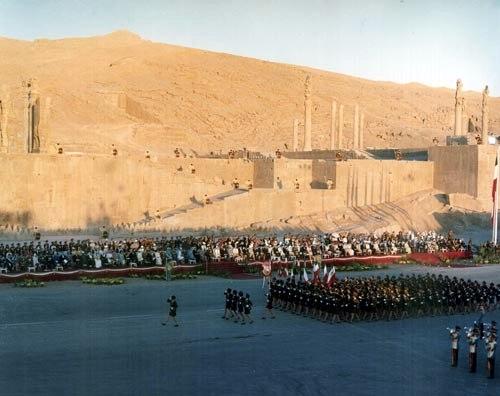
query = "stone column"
{"x": 341, "y": 126}
{"x": 32, "y": 118}
{"x": 485, "y": 111}
{"x": 459, "y": 104}
{"x": 361, "y": 131}
{"x": 356, "y": 127}
{"x": 332, "y": 125}
{"x": 295, "y": 135}
{"x": 307, "y": 115}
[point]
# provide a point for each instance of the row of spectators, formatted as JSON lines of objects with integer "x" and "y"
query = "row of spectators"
{"x": 47, "y": 255}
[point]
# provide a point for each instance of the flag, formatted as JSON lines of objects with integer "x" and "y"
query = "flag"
{"x": 306, "y": 278}
{"x": 331, "y": 277}
{"x": 266, "y": 269}
{"x": 315, "y": 272}
{"x": 286, "y": 272}
{"x": 325, "y": 274}
{"x": 292, "y": 275}
{"x": 494, "y": 194}
{"x": 494, "y": 187}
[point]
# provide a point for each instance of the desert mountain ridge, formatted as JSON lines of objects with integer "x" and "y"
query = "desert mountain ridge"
{"x": 121, "y": 91}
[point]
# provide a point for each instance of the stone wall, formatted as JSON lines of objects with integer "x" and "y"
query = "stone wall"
{"x": 368, "y": 182}
{"x": 464, "y": 169}
{"x": 359, "y": 182}
{"x": 63, "y": 191}
{"x": 263, "y": 174}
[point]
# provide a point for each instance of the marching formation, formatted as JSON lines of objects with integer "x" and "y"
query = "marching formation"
{"x": 474, "y": 334}
{"x": 375, "y": 298}
{"x": 238, "y": 306}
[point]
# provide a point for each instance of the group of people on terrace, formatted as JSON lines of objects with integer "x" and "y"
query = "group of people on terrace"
{"x": 141, "y": 252}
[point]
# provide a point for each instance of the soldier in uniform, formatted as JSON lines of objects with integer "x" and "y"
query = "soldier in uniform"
{"x": 248, "y": 308}
{"x": 241, "y": 307}
{"x": 472, "y": 337}
{"x": 455, "y": 337}
{"x": 228, "y": 303}
{"x": 490, "y": 354}
{"x": 234, "y": 305}
{"x": 269, "y": 307}
{"x": 172, "y": 313}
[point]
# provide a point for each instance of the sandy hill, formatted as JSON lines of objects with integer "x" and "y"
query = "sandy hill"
{"x": 123, "y": 90}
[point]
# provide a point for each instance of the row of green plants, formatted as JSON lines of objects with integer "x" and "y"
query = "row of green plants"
{"x": 187, "y": 275}
{"x": 29, "y": 283}
{"x": 102, "y": 281}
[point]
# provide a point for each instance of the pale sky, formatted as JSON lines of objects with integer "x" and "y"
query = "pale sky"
{"x": 433, "y": 42}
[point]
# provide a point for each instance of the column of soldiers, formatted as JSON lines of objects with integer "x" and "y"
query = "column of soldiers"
{"x": 238, "y": 306}
{"x": 377, "y": 298}
{"x": 473, "y": 335}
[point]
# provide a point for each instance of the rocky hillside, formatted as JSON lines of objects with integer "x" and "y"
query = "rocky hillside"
{"x": 138, "y": 95}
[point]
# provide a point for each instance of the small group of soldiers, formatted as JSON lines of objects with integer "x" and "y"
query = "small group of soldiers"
{"x": 389, "y": 298}
{"x": 238, "y": 306}
{"x": 474, "y": 334}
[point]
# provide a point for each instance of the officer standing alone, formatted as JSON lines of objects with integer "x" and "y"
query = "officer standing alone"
{"x": 172, "y": 312}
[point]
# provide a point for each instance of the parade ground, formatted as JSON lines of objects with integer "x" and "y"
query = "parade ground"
{"x": 69, "y": 338}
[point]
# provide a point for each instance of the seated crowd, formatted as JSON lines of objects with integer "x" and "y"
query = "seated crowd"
{"x": 43, "y": 256}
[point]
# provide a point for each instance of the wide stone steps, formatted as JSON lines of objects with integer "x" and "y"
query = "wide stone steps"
{"x": 193, "y": 205}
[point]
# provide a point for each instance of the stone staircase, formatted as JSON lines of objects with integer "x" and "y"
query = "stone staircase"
{"x": 195, "y": 204}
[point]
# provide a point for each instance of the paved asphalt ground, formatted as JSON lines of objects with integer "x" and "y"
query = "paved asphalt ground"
{"x": 75, "y": 339}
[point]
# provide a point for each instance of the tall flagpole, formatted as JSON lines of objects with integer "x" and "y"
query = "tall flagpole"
{"x": 495, "y": 207}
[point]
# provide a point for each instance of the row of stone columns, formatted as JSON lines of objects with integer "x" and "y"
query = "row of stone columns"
{"x": 336, "y": 133}
{"x": 337, "y": 129}
{"x": 459, "y": 109}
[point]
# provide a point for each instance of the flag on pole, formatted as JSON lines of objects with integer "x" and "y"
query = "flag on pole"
{"x": 316, "y": 272}
{"x": 495, "y": 184}
{"x": 306, "y": 278}
{"x": 494, "y": 196}
{"x": 331, "y": 277}
{"x": 325, "y": 274}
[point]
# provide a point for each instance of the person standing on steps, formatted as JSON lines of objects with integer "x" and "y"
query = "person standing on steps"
{"x": 172, "y": 312}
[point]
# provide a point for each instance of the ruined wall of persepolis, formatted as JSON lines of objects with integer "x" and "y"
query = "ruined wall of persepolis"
{"x": 63, "y": 191}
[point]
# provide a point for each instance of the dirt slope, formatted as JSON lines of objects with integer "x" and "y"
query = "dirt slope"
{"x": 119, "y": 89}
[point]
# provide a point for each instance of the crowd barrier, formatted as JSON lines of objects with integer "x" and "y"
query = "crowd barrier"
{"x": 230, "y": 266}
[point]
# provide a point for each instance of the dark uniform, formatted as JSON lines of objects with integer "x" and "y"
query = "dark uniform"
{"x": 490, "y": 355}
{"x": 472, "y": 337}
{"x": 455, "y": 337}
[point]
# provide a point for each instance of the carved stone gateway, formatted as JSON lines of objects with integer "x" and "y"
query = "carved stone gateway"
{"x": 32, "y": 118}
{"x": 485, "y": 111}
